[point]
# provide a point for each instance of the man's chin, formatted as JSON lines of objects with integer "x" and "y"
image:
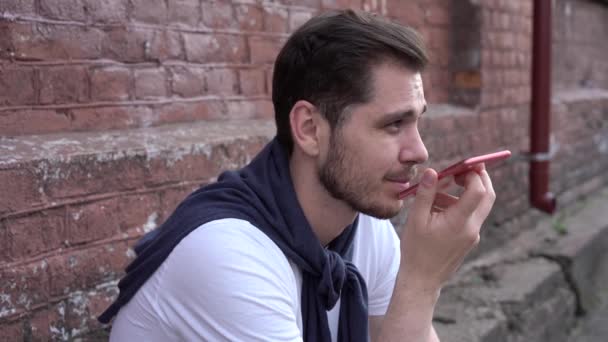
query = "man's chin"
{"x": 383, "y": 213}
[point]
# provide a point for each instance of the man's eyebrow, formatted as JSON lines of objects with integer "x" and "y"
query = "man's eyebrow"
{"x": 401, "y": 114}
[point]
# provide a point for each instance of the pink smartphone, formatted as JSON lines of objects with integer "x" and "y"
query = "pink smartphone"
{"x": 461, "y": 167}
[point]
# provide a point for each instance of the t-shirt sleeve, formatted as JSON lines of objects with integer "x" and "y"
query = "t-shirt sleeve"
{"x": 387, "y": 255}
{"x": 229, "y": 281}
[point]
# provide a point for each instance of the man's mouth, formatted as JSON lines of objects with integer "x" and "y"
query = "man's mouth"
{"x": 401, "y": 183}
{"x": 403, "y": 178}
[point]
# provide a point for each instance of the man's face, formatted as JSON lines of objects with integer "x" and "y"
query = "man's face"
{"x": 371, "y": 157}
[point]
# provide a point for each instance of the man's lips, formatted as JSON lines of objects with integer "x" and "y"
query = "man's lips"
{"x": 402, "y": 183}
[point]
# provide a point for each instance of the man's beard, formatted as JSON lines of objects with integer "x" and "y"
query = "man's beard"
{"x": 340, "y": 176}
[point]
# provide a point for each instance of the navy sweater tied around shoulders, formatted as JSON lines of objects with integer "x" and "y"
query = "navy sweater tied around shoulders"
{"x": 262, "y": 193}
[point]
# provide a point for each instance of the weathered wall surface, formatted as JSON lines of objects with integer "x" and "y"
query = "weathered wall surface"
{"x": 111, "y": 112}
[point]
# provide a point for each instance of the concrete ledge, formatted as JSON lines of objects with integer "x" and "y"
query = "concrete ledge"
{"x": 537, "y": 286}
{"x": 42, "y": 169}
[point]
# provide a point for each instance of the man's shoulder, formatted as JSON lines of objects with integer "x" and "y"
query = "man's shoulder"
{"x": 225, "y": 237}
{"x": 231, "y": 250}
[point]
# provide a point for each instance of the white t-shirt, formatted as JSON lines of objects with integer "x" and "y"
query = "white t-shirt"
{"x": 227, "y": 281}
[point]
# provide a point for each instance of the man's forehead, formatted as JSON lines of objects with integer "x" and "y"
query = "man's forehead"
{"x": 398, "y": 89}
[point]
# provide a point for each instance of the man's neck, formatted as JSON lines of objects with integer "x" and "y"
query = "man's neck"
{"x": 327, "y": 216}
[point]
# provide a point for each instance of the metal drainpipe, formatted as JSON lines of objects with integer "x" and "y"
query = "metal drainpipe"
{"x": 540, "y": 126}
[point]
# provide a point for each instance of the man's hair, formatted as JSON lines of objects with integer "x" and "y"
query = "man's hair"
{"x": 328, "y": 62}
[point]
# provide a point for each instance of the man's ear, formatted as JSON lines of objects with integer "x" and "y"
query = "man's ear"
{"x": 304, "y": 120}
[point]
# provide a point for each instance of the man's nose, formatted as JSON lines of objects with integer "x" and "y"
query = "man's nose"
{"x": 413, "y": 149}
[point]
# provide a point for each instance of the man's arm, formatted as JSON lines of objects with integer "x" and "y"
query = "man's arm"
{"x": 375, "y": 324}
{"x": 433, "y": 245}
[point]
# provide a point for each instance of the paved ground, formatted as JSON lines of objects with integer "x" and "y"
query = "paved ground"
{"x": 594, "y": 327}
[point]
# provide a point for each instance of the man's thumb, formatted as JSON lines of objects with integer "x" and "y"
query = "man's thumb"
{"x": 425, "y": 195}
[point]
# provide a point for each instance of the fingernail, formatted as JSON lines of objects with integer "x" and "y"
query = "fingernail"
{"x": 428, "y": 179}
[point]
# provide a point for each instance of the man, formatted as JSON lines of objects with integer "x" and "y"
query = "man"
{"x": 297, "y": 245}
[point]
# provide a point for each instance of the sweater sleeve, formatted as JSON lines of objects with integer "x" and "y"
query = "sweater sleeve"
{"x": 229, "y": 281}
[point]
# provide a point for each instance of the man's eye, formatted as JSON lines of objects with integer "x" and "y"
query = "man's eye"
{"x": 395, "y": 125}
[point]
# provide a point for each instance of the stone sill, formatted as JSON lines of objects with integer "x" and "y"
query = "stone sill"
{"x": 172, "y": 140}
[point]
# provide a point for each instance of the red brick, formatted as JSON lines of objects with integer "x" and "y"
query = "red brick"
{"x": 48, "y": 41}
{"x": 141, "y": 44}
{"x": 150, "y": 83}
{"x": 110, "y": 83}
{"x": 250, "y": 109}
{"x": 298, "y": 18}
{"x": 526, "y": 9}
{"x": 48, "y": 324}
{"x": 218, "y": 14}
{"x": 275, "y": 19}
{"x": 35, "y": 234}
{"x": 184, "y": 12}
{"x": 250, "y": 18}
{"x": 115, "y": 117}
{"x": 138, "y": 212}
{"x": 91, "y": 221}
{"x": 63, "y": 85}
{"x": 222, "y": 81}
{"x": 264, "y": 49}
{"x": 82, "y": 269}
{"x": 373, "y": 6}
{"x": 508, "y": 40}
{"x": 108, "y": 11}
{"x": 303, "y": 3}
{"x": 440, "y": 56}
{"x": 436, "y": 37}
{"x": 5, "y": 248}
{"x": 62, "y": 10}
{"x": 264, "y": 109}
{"x": 23, "y": 286}
{"x": 340, "y": 4}
{"x": 79, "y": 315}
{"x": 437, "y": 14}
{"x": 187, "y": 82}
{"x": 166, "y": 45}
{"x": 27, "y": 7}
{"x": 17, "y": 86}
{"x": 184, "y": 112}
{"x": 523, "y": 42}
{"x": 126, "y": 44}
{"x": 252, "y": 81}
{"x": 12, "y": 331}
{"x": 409, "y": 13}
{"x": 149, "y": 11}
{"x": 93, "y": 174}
{"x": 218, "y": 48}
{"x": 24, "y": 185}
{"x": 196, "y": 166}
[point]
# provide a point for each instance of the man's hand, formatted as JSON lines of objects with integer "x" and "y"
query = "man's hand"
{"x": 442, "y": 229}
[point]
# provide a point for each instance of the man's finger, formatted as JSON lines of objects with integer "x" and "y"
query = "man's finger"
{"x": 474, "y": 191}
{"x": 444, "y": 201}
{"x": 488, "y": 200}
{"x": 425, "y": 196}
{"x": 461, "y": 178}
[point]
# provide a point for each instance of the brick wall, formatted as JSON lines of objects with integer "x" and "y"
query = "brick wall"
{"x": 579, "y": 46}
{"x": 142, "y": 101}
{"x": 580, "y": 96}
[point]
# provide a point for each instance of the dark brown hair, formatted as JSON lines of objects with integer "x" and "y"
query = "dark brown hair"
{"x": 328, "y": 62}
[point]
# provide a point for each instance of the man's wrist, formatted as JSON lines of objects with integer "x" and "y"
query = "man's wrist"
{"x": 418, "y": 287}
